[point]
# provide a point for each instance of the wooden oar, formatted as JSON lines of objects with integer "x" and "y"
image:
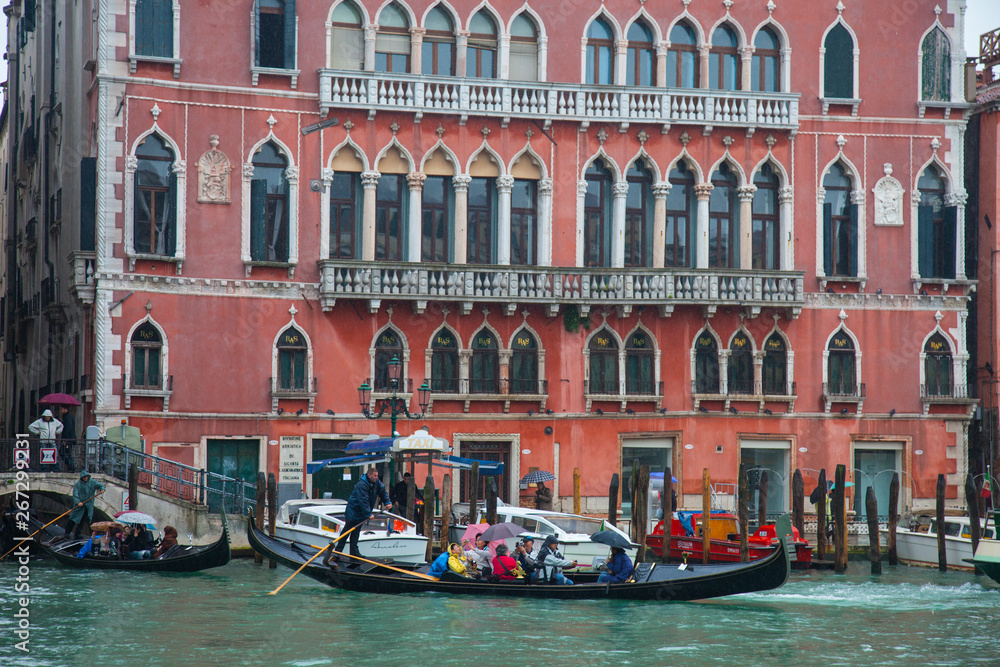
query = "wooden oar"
{"x": 345, "y": 534}
{"x": 390, "y": 567}
{"x": 51, "y": 522}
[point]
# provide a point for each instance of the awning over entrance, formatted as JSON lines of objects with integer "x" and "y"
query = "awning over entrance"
{"x": 419, "y": 447}
{"x": 420, "y": 441}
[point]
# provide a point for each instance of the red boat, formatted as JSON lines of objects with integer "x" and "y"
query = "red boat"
{"x": 724, "y": 535}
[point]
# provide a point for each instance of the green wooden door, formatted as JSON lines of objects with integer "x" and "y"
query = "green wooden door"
{"x": 237, "y": 459}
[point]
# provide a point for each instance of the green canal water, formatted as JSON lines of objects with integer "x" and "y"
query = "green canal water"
{"x": 224, "y": 616}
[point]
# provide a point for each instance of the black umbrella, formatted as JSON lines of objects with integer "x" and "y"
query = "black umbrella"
{"x": 502, "y": 531}
{"x": 611, "y": 538}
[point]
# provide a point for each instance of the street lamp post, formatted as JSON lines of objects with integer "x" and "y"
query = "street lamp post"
{"x": 394, "y": 404}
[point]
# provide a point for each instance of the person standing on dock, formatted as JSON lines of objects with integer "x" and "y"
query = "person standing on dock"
{"x": 543, "y": 497}
{"x": 47, "y": 428}
{"x": 361, "y": 507}
{"x": 83, "y": 498}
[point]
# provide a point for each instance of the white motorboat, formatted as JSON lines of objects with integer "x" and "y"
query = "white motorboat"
{"x": 919, "y": 546}
{"x": 317, "y": 522}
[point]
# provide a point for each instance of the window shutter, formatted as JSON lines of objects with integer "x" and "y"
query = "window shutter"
{"x": 950, "y": 240}
{"x": 828, "y": 239}
{"x": 854, "y": 240}
{"x": 925, "y": 241}
{"x": 144, "y": 27}
{"x": 163, "y": 28}
{"x": 258, "y": 219}
{"x": 256, "y": 33}
{"x": 289, "y": 34}
{"x": 88, "y": 202}
{"x": 170, "y": 228}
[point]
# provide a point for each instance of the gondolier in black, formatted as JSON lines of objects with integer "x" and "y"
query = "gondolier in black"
{"x": 361, "y": 507}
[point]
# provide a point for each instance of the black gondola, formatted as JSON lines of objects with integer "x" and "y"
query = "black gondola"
{"x": 653, "y": 581}
{"x": 177, "y": 559}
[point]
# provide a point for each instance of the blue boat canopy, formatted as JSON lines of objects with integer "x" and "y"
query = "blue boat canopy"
{"x": 489, "y": 468}
{"x": 344, "y": 462}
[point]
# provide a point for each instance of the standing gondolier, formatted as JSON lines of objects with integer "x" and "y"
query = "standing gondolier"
{"x": 83, "y": 498}
{"x": 361, "y": 506}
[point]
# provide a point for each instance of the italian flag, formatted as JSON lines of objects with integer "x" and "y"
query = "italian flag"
{"x": 987, "y": 490}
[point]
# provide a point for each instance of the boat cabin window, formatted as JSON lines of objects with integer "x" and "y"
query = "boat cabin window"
{"x": 309, "y": 520}
{"x": 571, "y": 524}
{"x": 378, "y": 523}
{"x": 529, "y": 525}
{"x": 331, "y": 525}
{"x": 952, "y": 529}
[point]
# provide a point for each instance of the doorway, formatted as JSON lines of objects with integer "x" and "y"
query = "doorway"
{"x": 236, "y": 458}
{"x": 486, "y": 451}
{"x": 772, "y": 458}
{"x": 333, "y": 482}
{"x": 869, "y": 464}
{"x": 657, "y": 453}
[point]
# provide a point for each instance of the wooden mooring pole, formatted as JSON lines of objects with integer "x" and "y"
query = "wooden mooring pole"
{"x": 972, "y": 498}
{"x": 133, "y": 487}
{"x": 258, "y": 517}
{"x": 668, "y": 511}
{"x": 821, "y": 516}
{"x": 272, "y": 510}
{"x": 762, "y": 499}
{"x": 411, "y": 500}
{"x": 445, "y": 511}
{"x": 939, "y": 506}
{"x": 798, "y": 502}
{"x": 893, "y": 518}
{"x": 491, "y": 500}
{"x": 874, "y": 551}
{"x": 429, "y": 516}
{"x": 576, "y": 491}
{"x": 743, "y": 511}
{"x": 474, "y": 493}
{"x": 840, "y": 520}
{"x": 613, "y": 500}
{"x": 640, "y": 513}
{"x": 706, "y": 516}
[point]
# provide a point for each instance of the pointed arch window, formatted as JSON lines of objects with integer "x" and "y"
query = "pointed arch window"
{"x": 292, "y": 360}
{"x": 347, "y": 40}
{"x": 388, "y": 346}
{"x": 841, "y": 366}
{"x": 840, "y": 223}
{"x": 724, "y": 61}
{"x": 706, "y": 364}
{"x": 481, "y": 214}
{"x": 935, "y": 70}
{"x": 482, "y": 49}
{"x": 155, "y": 210}
{"x": 640, "y": 375}
{"x": 485, "y": 371}
{"x": 345, "y": 193}
{"x": 603, "y": 363}
{"x": 641, "y": 61}
{"x": 523, "y": 49}
{"x": 147, "y": 353}
{"x": 392, "y": 43}
{"x": 723, "y": 219}
{"x": 936, "y": 227}
{"x": 740, "y": 368}
{"x": 524, "y": 364}
{"x": 269, "y": 206}
{"x": 775, "y": 369}
{"x": 938, "y": 367}
{"x": 765, "y": 234}
{"x": 597, "y": 215}
{"x": 437, "y": 220}
{"x": 444, "y": 362}
{"x": 838, "y": 63}
{"x": 682, "y": 58}
{"x": 390, "y": 216}
{"x": 639, "y": 216}
{"x": 680, "y": 214}
{"x": 438, "y": 56}
{"x": 766, "y": 62}
{"x": 600, "y": 53}
{"x": 523, "y": 222}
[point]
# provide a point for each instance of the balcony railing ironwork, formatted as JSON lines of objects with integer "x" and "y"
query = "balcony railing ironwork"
{"x": 584, "y": 287}
{"x": 947, "y": 393}
{"x": 548, "y": 102}
{"x": 844, "y": 391}
{"x": 306, "y": 389}
{"x": 505, "y": 390}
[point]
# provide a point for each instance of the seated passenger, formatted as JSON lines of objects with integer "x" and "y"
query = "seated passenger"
{"x": 551, "y": 563}
{"x": 506, "y": 567}
{"x": 525, "y": 553}
{"x": 169, "y": 540}
{"x": 619, "y": 567}
{"x": 138, "y": 543}
{"x": 478, "y": 555}
{"x": 440, "y": 565}
{"x": 456, "y": 561}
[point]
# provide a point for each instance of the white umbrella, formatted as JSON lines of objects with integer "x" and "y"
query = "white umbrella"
{"x": 134, "y": 517}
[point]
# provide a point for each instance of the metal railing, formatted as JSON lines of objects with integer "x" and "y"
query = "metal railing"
{"x": 167, "y": 477}
{"x": 757, "y": 391}
{"x": 946, "y": 392}
{"x": 844, "y": 390}
{"x": 627, "y": 389}
{"x": 488, "y": 386}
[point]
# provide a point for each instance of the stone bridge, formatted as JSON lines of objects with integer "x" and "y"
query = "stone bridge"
{"x": 52, "y": 493}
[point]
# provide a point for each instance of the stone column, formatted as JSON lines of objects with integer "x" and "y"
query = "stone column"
{"x": 786, "y": 196}
{"x": 661, "y": 64}
{"x": 621, "y": 62}
{"x": 505, "y": 185}
{"x": 461, "y": 52}
{"x": 416, "y": 49}
{"x": 505, "y": 356}
{"x": 369, "y": 183}
{"x": 703, "y": 52}
{"x": 703, "y": 191}
{"x": 581, "y": 194}
{"x": 416, "y": 182}
{"x": 758, "y": 372}
{"x": 371, "y": 30}
{"x": 464, "y": 361}
{"x": 786, "y": 71}
{"x": 958, "y": 199}
{"x": 324, "y": 213}
{"x": 460, "y": 184}
{"x": 660, "y": 192}
{"x": 746, "y": 62}
{"x": 543, "y": 243}
{"x": 745, "y": 195}
{"x": 503, "y": 57}
{"x": 543, "y": 57}
{"x": 858, "y": 199}
{"x": 619, "y": 192}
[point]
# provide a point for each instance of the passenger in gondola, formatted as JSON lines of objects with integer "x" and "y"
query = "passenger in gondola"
{"x": 619, "y": 567}
{"x": 139, "y": 542}
{"x": 456, "y": 560}
{"x": 551, "y": 563}
{"x": 478, "y": 555}
{"x": 524, "y": 551}
{"x": 505, "y": 567}
{"x": 169, "y": 540}
{"x": 440, "y": 564}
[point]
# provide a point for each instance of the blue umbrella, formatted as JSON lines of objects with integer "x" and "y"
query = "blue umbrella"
{"x": 536, "y": 476}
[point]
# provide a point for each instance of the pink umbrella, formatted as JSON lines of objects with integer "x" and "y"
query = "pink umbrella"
{"x": 58, "y": 399}
{"x": 474, "y": 530}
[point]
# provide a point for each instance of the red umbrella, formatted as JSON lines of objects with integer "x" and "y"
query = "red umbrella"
{"x": 58, "y": 399}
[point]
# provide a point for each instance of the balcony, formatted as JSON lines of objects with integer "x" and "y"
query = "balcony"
{"x": 844, "y": 393}
{"x": 623, "y": 393}
{"x": 306, "y": 392}
{"x": 515, "y": 287}
{"x": 502, "y": 390}
{"x": 547, "y": 102}
{"x": 759, "y": 394}
{"x": 84, "y": 263}
{"x": 959, "y": 394}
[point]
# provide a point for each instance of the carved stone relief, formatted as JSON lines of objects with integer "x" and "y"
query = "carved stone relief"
{"x": 888, "y": 199}
{"x": 213, "y": 175}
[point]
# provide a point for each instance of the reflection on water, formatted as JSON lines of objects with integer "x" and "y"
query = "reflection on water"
{"x": 908, "y": 616}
